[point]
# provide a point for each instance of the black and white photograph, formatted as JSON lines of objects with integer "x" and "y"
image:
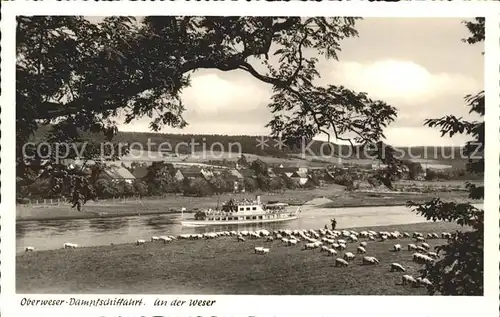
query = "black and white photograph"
{"x": 250, "y": 155}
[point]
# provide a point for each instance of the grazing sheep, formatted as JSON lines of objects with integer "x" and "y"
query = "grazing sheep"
{"x": 363, "y": 244}
{"x": 341, "y": 241}
{"x": 341, "y": 262}
{"x": 353, "y": 238}
{"x": 435, "y": 236}
{"x": 417, "y": 234}
{"x": 406, "y": 235}
{"x": 258, "y": 249}
{"x": 425, "y": 246}
{"x": 446, "y": 235}
{"x": 309, "y": 246}
{"x": 332, "y": 252}
{"x": 265, "y": 251}
{"x": 348, "y": 256}
{"x": 433, "y": 255}
{"x": 140, "y": 241}
{"x": 342, "y": 246}
{"x": 424, "y": 281}
{"x": 421, "y": 258}
{"x": 269, "y": 238}
{"x": 371, "y": 238}
{"x": 408, "y": 279}
{"x": 154, "y": 238}
{"x": 370, "y": 260}
{"x": 29, "y": 249}
{"x": 397, "y": 247}
{"x": 383, "y": 237}
{"x": 420, "y": 239}
{"x": 240, "y": 238}
{"x": 68, "y": 245}
{"x": 360, "y": 250}
{"x": 396, "y": 267}
{"x": 363, "y": 234}
{"x": 421, "y": 249}
{"x": 292, "y": 242}
{"x": 165, "y": 239}
{"x": 430, "y": 236}
{"x": 323, "y": 248}
{"x": 411, "y": 247}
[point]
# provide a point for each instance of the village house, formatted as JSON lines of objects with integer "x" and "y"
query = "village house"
{"x": 117, "y": 174}
{"x": 300, "y": 177}
{"x": 194, "y": 172}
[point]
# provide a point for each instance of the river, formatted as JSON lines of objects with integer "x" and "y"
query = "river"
{"x": 52, "y": 234}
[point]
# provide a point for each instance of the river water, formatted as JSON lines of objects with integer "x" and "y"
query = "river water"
{"x": 52, "y": 234}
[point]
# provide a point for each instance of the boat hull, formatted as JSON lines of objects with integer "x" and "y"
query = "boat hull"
{"x": 202, "y": 223}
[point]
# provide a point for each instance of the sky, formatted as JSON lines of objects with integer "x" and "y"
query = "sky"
{"x": 418, "y": 65}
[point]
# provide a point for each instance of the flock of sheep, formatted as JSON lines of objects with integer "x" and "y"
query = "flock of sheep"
{"x": 330, "y": 241}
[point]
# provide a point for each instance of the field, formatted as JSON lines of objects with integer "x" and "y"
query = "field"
{"x": 220, "y": 266}
{"x": 117, "y": 208}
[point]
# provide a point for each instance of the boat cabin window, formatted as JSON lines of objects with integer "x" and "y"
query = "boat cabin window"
{"x": 254, "y": 208}
{"x": 242, "y": 208}
{"x": 248, "y": 208}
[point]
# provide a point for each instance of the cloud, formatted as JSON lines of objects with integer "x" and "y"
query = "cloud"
{"x": 401, "y": 83}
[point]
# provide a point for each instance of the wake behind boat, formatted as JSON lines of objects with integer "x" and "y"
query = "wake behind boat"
{"x": 243, "y": 212}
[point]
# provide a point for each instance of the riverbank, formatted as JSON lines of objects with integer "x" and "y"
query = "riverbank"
{"x": 219, "y": 266}
{"x": 173, "y": 204}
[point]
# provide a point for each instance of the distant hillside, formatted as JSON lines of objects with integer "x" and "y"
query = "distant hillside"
{"x": 249, "y": 145}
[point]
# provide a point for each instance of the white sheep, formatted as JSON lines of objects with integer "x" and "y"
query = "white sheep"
{"x": 140, "y": 241}
{"x": 154, "y": 238}
{"x": 406, "y": 235}
{"x": 348, "y": 256}
{"x": 332, "y": 252}
{"x": 371, "y": 238}
{"x": 258, "y": 249}
{"x": 341, "y": 241}
{"x": 420, "y": 239}
{"x": 353, "y": 238}
{"x": 323, "y": 248}
{"x": 421, "y": 249}
{"x": 425, "y": 246}
{"x": 370, "y": 260}
{"x": 269, "y": 238}
{"x": 430, "y": 236}
{"x": 165, "y": 239}
{"x": 265, "y": 251}
{"x": 363, "y": 244}
{"x": 240, "y": 238}
{"x": 424, "y": 281}
{"x": 360, "y": 250}
{"x": 383, "y": 237}
{"x": 341, "y": 262}
{"x": 397, "y": 247}
{"x": 292, "y": 242}
{"x": 396, "y": 267}
{"x": 433, "y": 255}
{"x": 408, "y": 279}
{"x": 411, "y": 247}
{"x": 445, "y": 235}
{"x": 342, "y": 246}
{"x": 29, "y": 249}
{"x": 309, "y": 246}
{"x": 68, "y": 245}
{"x": 284, "y": 240}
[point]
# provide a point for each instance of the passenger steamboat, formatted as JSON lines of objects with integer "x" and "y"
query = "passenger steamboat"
{"x": 243, "y": 212}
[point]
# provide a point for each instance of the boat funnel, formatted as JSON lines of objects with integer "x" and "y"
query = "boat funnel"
{"x": 258, "y": 199}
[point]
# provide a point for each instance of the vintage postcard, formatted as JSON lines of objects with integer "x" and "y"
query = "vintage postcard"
{"x": 223, "y": 159}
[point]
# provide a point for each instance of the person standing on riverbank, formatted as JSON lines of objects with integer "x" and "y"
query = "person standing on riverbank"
{"x": 334, "y": 223}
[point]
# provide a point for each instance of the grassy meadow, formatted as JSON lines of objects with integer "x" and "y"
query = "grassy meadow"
{"x": 221, "y": 266}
